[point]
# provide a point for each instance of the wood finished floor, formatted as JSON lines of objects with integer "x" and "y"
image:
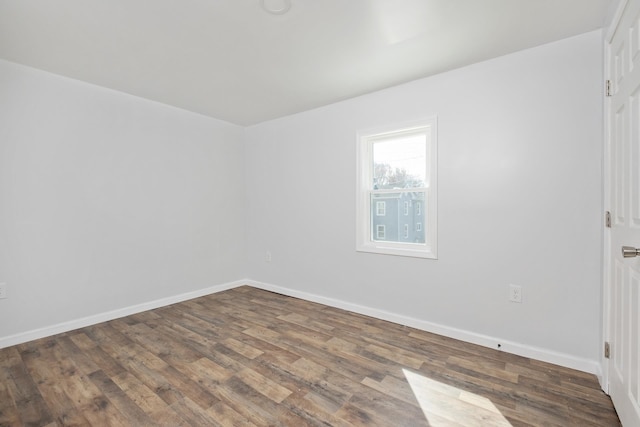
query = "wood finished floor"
{"x": 251, "y": 357}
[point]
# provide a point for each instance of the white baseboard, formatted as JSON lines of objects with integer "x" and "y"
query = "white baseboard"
{"x": 111, "y": 315}
{"x": 537, "y": 353}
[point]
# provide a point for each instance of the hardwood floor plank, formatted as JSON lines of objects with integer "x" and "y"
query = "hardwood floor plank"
{"x": 395, "y": 355}
{"x": 82, "y": 341}
{"x": 249, "y": 357}
{"x": 81, "y": 360}
{"x": 263, "y": 385}
{"x": 436, "y": 398}
{"x": 101, "y": 358}
{"x": 393, "y": 411}
{"x": 394, "y": 388}
{"x": 145, "y": 398}
{"x": 187, "y": 338}
{"x": 359, "y": 417}
{"x": 119, "y": 399}
{"x": 26, "y": 396}
{"x": 9, "y": 413}
{"x": 306, "y": 322}
{"x": 178, "y": 385}
{"x": 250, "y": 398}
{"x": 192, "y": 413}
{"x": 63, "y": 408}
{"x": 205, "y": 372}
{"x": 227, "y": 417}
{"x": 244, "y": 349}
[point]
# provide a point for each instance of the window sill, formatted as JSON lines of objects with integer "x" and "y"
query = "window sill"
{"x": 414, "y": 251}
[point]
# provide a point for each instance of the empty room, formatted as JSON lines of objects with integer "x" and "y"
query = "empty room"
{"x": 322, "y": 213}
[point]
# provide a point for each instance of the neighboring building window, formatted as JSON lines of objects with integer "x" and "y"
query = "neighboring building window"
{"x": 397, "y": 170}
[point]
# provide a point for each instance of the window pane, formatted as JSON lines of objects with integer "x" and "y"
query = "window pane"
{"x": 400, "y": 162}
{"x": 395, "y": 225}
{"x": 397, "y": 189}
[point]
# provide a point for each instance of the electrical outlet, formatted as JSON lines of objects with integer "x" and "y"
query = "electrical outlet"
{"x": 267, "y": 256}
{"x": 3, "y": 290}
{"x": 515, "y": 293}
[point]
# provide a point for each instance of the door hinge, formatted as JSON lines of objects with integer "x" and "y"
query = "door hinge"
{"x": 607, "y": 219}
{"x": 607, "y": 350}
{"x": 608, "y": 88}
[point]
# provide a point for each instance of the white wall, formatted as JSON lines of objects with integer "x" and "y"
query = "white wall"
{"x": 520, "y": 142}
{"x": 108, "y": 200}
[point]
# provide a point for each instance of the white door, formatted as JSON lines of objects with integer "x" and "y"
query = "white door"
{"x": 623, "y": 196}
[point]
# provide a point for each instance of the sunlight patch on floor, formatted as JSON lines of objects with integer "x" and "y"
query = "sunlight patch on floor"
{"x": 442, "y": 404}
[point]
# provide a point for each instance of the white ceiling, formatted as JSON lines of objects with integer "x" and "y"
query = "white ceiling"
{"x": 231, "y": 60}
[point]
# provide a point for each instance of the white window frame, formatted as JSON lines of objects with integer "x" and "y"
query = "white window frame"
{"x": 406, "y": 231}
{"x": 381, "y": 228}
{"x": 365, "y": 241}
{"x": 418, "y": 208}
{"x": 418, "y": 226}
{"x": 406, "y": 208}
{"x": 383, "y": 211}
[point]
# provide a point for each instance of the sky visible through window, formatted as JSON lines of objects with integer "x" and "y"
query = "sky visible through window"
{"x": 406, "y": 153}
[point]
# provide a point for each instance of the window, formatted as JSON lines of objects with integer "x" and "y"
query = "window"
{"x": 397, "y": 170}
